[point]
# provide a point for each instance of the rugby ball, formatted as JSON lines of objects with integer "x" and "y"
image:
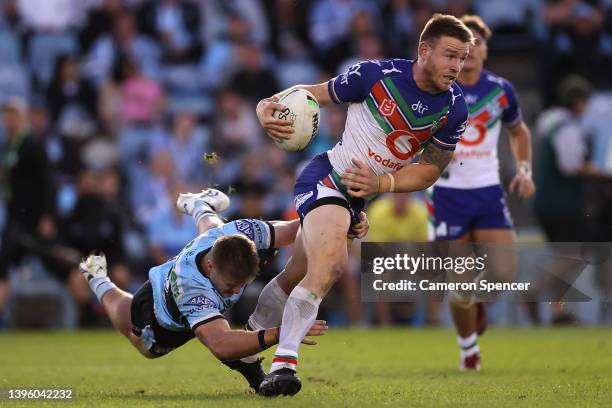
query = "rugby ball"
{"x": 302, "y": 109}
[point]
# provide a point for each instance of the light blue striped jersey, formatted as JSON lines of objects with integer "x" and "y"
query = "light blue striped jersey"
{"x": 183, "y": 296}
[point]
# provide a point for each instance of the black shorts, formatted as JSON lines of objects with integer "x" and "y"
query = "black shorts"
{"x": 159, "y": 341}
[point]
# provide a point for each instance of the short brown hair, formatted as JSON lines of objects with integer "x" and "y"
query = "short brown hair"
{"x": 445, "y": 25}
{"x": 475, "y": 23}
{"x": 237, "y": 255}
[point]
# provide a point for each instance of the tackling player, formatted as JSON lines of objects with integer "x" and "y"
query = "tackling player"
{"x": 186, "y": 296}
{"x": 396, "y": 108}
{"x": 468, "y": 202}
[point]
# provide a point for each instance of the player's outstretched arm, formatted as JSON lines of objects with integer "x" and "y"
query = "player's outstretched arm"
{"x": 520, "y": 143}
{"x": 279, "y": 128}
{"x": 285, "y": 232}
{"x": 227, "y": 344}
{"x": 364, "y": 182}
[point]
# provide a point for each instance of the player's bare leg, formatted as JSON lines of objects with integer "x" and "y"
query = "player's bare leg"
{"x": 324, "y": 242}
{"x": 115, "y": 301}
{"x": 468, "y": 316}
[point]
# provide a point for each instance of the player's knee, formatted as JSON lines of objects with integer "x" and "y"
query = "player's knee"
{"x": 333, "y": 272}
{"x": 338, "y": 269}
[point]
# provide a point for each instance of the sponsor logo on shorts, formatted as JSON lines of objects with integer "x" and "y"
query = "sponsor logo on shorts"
{"x": 300, "y": 199}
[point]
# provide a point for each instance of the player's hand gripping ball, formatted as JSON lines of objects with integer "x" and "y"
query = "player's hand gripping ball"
{"x": 303, "y": 110}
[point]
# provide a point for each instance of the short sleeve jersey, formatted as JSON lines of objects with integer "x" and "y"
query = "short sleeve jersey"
{"x": 183, "y": 296}
{"x": 390, "y": 118}
{"x": 491, "y": 101}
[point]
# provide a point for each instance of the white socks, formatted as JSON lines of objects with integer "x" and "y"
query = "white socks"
{"x": 299, "y": 315}
{"x": 468, "y": 345}
{"x": 202, "y": 211}
{"x": 268, "y": 312}
{"x": 270, "y": 305}
{"x": 100, "y": 286}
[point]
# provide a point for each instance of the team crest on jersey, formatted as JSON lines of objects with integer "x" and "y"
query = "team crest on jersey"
{"x": 387, "y": 107}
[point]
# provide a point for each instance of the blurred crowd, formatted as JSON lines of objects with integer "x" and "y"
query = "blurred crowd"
{"x": 112, "y": 107}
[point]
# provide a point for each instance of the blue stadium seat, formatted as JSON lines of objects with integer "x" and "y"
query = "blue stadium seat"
{"x": 10, "y": 49}
{"x": 44, "y": 50}
{"x": 14, "y": 80}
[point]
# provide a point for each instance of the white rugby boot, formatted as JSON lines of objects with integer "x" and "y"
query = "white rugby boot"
{"x": 214, "y": 199}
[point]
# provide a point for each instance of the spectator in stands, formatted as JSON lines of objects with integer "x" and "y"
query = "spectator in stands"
{"x": 149, "y": 189}
{"x": 572, "y": 45}
{"x": 68, "y": 94}
{"x": 142, "y": 98}
{"x": 285, "y": 21}
{"x": 26, "y": 189}
{"x": 255, "y": 78}
{"x": 169, "y": 229}
{"x": 399, "y": 218}
{"x": 174, "y": 24}
{"x": 220, "y": 61}
{"x": 9, "y": 15}
{"x": 398, "y": 21}
{"x": 95, "y": 223}
{"x": 49, "y": 15}
{"x": 187, "y": 144}
{"x": 100, "y": 21}
{"x": 132, "y": 107}
{"x": 216, "y": 16}
{"x": 367, "y": 46}
{"x": 124, "y": 41}
{"x": 562, "y": 160}
{"x": 329, "y": 23}
{"x": 561, "y": 163}
{"x": 234, "y": 125}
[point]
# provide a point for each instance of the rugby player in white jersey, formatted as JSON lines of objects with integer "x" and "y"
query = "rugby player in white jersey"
{"x": 396, "y": 108}
{"x": 468, "y": 202}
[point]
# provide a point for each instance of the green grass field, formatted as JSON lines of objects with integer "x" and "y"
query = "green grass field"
{"x": 349, "y": 368}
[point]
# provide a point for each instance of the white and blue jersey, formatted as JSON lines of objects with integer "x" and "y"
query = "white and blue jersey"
{"x": 468, "y": 196}
{"x": 389, "y": 120}
{"x": 183, "y": 296}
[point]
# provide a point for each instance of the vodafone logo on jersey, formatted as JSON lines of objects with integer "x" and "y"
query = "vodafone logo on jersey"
{"x": 402, "y": 144}
{"x": 474, "y": 134}
{"x": 384, "y": 162}
{"x": 387, "y": 107}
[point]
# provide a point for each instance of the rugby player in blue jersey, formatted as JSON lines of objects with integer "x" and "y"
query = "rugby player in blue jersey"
{"x": 396, "y": 108}
{"x": 186, "y": 296}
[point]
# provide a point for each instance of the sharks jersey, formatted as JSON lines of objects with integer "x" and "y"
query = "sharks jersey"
{"x": 389, "y": 118}
{"x": 491, "y": 102}
{"x": 183, "y": 296}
